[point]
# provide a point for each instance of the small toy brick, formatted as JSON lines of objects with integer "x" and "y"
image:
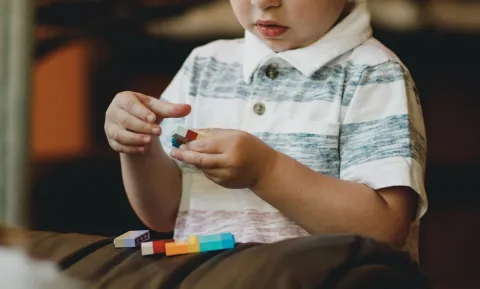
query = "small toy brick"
{"x": 180, "y": 133}
{"x": 154, "y": 247}
{"x": 191, "y": 135}
{"x": 193, "y": 244}
{"x": 131, "y": 239}
{"x": 183, "y": 135}
{"x": 228, "y": 241}
{"x": 181, "y": 248}
{"x": 176, "y": 143}
{"x": 215, "y": 242}
{"x": 176, "y": 248}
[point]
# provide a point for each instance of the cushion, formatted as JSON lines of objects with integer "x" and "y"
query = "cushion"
{"x": 329, "y": 261}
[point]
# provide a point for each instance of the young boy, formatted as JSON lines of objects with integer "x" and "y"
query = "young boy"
{"x": 312, "y": 127}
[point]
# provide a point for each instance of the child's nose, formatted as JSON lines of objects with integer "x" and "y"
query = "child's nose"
{"x": 266, "y": 4}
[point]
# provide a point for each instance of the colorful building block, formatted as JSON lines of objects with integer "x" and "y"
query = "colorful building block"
{"x": 180, "y": 248}
{"x": 228, "y": 241}
{"x": 183, "y": 135}
{"x": 191, "y": 135}
{"x": 154, "y": 247}
{"x": 180, "y": 133}
{"x": 176, "y": 143}
{"x": 131, "y": 239}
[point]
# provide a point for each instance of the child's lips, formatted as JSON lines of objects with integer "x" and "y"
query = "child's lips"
{"x": 270, "y": 29}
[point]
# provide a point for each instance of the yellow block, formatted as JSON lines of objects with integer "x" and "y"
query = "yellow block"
{"x": 193, "y": 244}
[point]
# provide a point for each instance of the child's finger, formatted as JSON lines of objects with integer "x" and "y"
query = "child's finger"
{"x": 130, "y": 122}
{"x": 199, "y": 160}
{"x": 132, "y": 104}
{"x": 164, "y": 109}
{"x": 124, "y": 137}
{"x": 127, "y": 149}
{"x": 206, "y": 145}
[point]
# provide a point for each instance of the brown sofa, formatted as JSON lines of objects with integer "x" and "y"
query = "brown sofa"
{"x": 334, "y": 261}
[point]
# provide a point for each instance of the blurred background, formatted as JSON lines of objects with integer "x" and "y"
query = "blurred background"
{"x": 63, "y": 61}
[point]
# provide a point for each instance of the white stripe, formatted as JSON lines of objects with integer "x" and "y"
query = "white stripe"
{"x": 394, "y": 171}
{"x": 317, "y": 117}
{"x": 210, "y": 196}
{"x": 377, "y": 101}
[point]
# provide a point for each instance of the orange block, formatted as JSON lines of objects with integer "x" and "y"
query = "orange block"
{"x": 180, "y": 248}
{"x": 176, "y": 248}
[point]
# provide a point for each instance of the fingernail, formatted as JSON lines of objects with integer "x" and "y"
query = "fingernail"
{"x": 173, "y": 153}
{"x": 146, "y": 139}
{"x": 151, "y": 118}
{"x": 156, "y": 130}
{"x": 142, "y": 149}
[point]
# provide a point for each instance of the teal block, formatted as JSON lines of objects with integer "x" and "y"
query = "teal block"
{"x": 228, "y": 241}
{"x": 175, "y": 143}
{"x": 216, "y": 242}
{"x": 211, "y": 246}
{"x": 210, "y": 238}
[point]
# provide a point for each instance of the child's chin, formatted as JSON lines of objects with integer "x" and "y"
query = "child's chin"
{"x": 279, "y": 45}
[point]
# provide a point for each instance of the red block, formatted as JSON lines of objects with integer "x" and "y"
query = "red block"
{"x": 159, "y": 246}
{"x": 154, "y": 247}
{"x": 191, "y": 135}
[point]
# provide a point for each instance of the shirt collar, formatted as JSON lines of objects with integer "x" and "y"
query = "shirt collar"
{"x": 346, "y": 35}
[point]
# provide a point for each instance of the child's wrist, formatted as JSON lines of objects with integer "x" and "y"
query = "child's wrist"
{"x": 266, "y": 171}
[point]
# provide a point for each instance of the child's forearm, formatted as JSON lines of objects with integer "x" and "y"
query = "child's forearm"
{"x": 322, "y": 204}
{"x": 153, "y": 185}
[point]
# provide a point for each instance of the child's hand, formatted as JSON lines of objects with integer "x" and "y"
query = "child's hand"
{"x": 231, "y": 158}
{"x": 133, "y": 118}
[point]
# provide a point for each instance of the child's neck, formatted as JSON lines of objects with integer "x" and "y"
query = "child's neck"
{"x": 345, "y": 12}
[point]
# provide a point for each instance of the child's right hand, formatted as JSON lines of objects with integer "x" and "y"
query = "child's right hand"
{"x": 132, "y": 119}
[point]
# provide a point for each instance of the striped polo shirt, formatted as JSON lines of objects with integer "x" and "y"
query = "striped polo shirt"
{"x": 344, "y": 106}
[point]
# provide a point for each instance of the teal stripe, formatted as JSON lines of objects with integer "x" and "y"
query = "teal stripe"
{"x": 318, "y": 152}
{"x": 212, "y": 78}
{"x": 362, "y": 75}
{"x": 375, "y": 140}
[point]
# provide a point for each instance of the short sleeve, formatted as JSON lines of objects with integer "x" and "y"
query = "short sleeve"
{"x": 382, "y": 135}
{"x": 177, "y": 91}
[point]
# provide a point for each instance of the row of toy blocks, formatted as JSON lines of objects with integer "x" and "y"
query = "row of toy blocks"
{"x": 131, "y": 239}
{"x": 183, "y": 135}
{"x": 194, "y": 244}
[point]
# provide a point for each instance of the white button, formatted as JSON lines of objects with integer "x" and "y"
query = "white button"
{"x": 259, "y": 108}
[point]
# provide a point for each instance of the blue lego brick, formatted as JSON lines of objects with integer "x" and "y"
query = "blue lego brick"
{"x": 216, "y": 242}
{"x": 228, "y": 241}
{"x": 175, "y": 143}
{"x": 211, "y": 246}
{"x": 210, "y": 238}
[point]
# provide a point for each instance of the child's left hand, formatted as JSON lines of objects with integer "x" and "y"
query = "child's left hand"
{"x": 231, "y": 158}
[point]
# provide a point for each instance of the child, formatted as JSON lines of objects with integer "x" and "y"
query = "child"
{"x": 312, "y": 126}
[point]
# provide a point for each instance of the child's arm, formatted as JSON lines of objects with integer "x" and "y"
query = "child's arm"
{"x": 321, "y": 204}
{"x": 153, "y": 185}
{"x": 152, "y": 180}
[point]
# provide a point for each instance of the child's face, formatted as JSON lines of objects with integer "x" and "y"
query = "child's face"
{"x": 288, "y": 24}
